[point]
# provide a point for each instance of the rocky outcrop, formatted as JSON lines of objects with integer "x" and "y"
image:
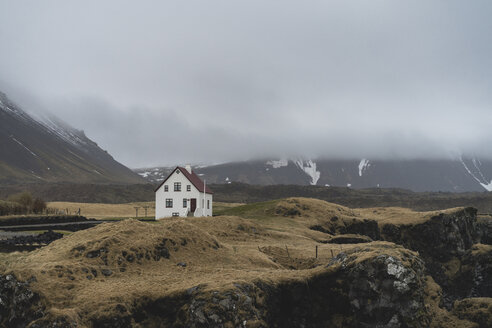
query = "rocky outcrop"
{"x": 484, "y": 230}
{"x": 28, "y": 242}
{"x": 385, "y": 289}
{"x": 474, "y": 277}
{"x": 441, "y": 238}
{"x": 19, "y": 305}
{"x": 444, "y": 243}
{"x": 42, "y": 219}
{"x": 380, "y": 285}
{"x": 371, "y": 284}
{"x": 337, "y": 226}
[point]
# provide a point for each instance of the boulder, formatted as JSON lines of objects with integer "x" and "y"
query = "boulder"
{"x": 19, "y": 305}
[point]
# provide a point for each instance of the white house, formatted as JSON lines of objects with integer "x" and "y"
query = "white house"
{"x": 182, "y": 193}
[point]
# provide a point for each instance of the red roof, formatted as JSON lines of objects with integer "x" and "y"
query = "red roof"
{"x": 192, "y": 177}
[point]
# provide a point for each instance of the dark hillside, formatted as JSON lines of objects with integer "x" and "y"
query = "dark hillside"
{"x": 372, "y": 197}
{"x": 48, "y": 150}
{"x": 84, "y": 193}
{"x": 244, "y": 193}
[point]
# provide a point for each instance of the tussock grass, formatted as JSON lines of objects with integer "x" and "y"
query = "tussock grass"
{"x": 310, "y": 210}
{"x": 399, "y": 215}
{"x": 269, "y": 241}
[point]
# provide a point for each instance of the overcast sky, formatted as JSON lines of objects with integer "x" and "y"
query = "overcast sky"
{"x": 172, "y": 82}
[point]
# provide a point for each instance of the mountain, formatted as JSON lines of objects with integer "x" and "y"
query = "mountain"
{"x": 459, "y": 175}
{"x": 45, "y": 149}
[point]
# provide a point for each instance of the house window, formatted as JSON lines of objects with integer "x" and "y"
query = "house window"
{"x": 185, "y": 202}
{"x": 169, "y": 203}
{"x": 203, "y": 203}
{"x": 208, "y": 203}
{"x": 166, "y": 188}
{"x": 188, "y": 188}
{"x": 175, "y": 214}
{"x": 177, "y": 186}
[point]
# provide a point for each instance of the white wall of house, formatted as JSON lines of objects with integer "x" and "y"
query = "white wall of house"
{"x": 205, "y": 206}
{"x": 203, "y": 200}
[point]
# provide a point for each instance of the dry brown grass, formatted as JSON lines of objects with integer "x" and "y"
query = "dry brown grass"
{"x": 225, "y": 247}
{"x": 318, "y": 209}
{"x": 218, "y": 251}
{"x": 477, "y": 309}
{"x": 399, "y": 215}
{"x": 104, "y": 211}
{"x": 312, "y": 211}
{"x": 481, "y": 249}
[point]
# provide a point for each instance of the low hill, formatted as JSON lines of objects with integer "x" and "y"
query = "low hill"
{"x": 45, "y": 149}
{"x": 285, "y": 263}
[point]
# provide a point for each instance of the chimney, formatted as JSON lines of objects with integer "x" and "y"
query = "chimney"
{"x": 188, "y": 168}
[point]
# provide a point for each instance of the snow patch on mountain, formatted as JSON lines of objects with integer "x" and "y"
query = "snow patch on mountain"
{"x": 144, "y": 174}
{"x": 363, "y": 165}
{"x": 278, "y": 164}
{"x": 22, "y": 145}
{"x": 156, "y": 174}
{"x": 61, "y": 129}
{"x": 487, "y": 185}
{"x": 309, "y": 167}
{"x": 7, "y": 106}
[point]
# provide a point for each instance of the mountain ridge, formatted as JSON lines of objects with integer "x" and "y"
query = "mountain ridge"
{"x": 43, "y": 148}
{"x": 465, "y": 174}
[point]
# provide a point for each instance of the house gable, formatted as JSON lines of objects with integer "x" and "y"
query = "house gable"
{"x": 191, "y": 177}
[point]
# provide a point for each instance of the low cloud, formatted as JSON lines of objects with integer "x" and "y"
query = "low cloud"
{"x": 159, "y": 83}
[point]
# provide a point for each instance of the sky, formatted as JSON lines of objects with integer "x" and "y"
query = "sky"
{"x": 173, "y": 82}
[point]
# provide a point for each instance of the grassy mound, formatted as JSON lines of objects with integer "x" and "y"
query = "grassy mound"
{"x": 120, "y": 269}
{"x": 114, "y": 264}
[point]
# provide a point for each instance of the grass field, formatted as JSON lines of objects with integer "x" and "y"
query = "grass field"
{"x": 122, "y": 211}
{"x": 106, "y": 211}
{"x": 269, "y": 241}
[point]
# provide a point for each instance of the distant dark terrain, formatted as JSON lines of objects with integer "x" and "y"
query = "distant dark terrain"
{"x": 244, "y": 193}
{"x": 43, "y": 148}
{"x": 463, "y": 174}
{"x": 371, "y": 197}
{"x": 83, "y": 193}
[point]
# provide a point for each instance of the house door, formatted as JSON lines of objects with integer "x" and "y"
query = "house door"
{"x": 193, "y": 205}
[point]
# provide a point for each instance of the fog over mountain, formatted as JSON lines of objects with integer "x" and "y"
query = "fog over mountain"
{"x": 161, "y": 82}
